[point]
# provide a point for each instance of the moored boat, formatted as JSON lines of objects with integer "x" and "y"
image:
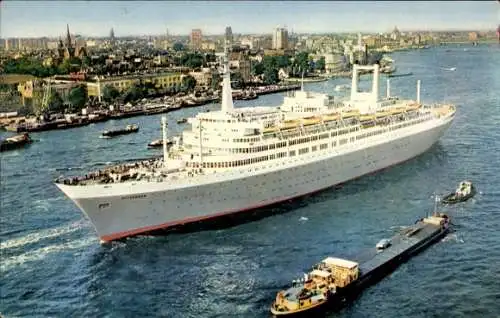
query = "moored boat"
{"x": 182, "y": 121}
{"x": 127, "y": 130}
{"x": 15, "y": 142}
{"x": 464, "y": 192}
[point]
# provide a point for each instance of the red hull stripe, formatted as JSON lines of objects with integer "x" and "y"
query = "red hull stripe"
{"x": 133, "y": 232}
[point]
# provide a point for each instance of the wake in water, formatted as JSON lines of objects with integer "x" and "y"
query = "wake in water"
{"x": 452, "y": 238}
{"x": 43, "y": 234}
{"x": 40, "y": 253}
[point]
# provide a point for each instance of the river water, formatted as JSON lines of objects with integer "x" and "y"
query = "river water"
{"x": 52, "y": 264}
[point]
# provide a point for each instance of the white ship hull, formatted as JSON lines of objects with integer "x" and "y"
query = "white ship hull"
{"x": 123, "y": 210}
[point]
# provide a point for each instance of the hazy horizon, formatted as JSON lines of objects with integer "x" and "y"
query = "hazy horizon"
{"x": 96, "y": 18}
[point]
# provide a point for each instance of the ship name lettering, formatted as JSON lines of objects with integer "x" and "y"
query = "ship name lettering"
{"x": 132, "y": 197}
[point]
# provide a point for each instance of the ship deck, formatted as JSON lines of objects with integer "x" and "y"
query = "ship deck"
{"x": 400, "y": 244}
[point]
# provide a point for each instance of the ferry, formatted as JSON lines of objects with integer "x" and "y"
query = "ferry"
{"x": 334, "y": 281}
{"x": 239, "y": 159}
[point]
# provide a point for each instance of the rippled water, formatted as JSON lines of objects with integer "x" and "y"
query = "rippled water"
{"x": 53, "y": 265}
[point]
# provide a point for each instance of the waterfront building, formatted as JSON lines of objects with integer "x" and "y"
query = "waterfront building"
{"x": 96, "y": 85}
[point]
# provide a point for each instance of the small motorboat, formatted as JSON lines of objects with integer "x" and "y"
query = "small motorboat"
{"x": 182, "y": 121}
{"x": 464, "y": 192}
{"x": 127, "y": 130}
{"x": 159, "y": 143}
{"x": 15, "y": 142}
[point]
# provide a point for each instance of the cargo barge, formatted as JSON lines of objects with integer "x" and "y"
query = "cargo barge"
{"x": 334, "y": 281}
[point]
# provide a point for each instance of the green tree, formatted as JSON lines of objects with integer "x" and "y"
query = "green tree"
{"x": 134, "y": 93}
{"x": 215, "y": 81}
{"x": 257, "y": 68}
{"x": 271, "y": 76}
{"x": 110, "y": 93}
{"x": 78, "y": 97}
{"x": 301, "y": 63}
{"x": 178, "y": 47}
{"x": 237, "y": 81}
{"x": 320, "y": 64}
{"x": 188, "y": 83}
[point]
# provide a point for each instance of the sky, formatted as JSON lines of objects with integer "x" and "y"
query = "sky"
{"x": 96, "y": 18}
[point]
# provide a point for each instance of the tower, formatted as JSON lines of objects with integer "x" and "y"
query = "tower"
{"x": 229, "y": 36}
{"x": 69, "y": 46}
{"x": 112, "y": 36}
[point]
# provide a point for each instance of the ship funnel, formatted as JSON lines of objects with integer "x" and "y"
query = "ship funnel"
{"x": 418, "y": 91}
{"x": 165, "y": 151}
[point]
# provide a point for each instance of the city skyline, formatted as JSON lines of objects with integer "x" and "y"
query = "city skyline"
{"x": 96, "y": 18}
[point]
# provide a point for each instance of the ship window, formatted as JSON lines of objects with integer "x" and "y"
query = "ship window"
{"x": 323, "y": 146}
{"x": 314, "y": 148}
{"x": 292, "y": 153}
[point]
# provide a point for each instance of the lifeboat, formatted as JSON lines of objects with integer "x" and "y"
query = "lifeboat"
{"x": 366, "y": 117}
{"x": 349, "y": 114}
{"x": 330, "y": 117}
{"x": 310, "y": 121}
{"x": 397, "y": 110}
{"x": 290, "y": 124}
{"x": 270, "y": 129}
{"x": 382, "y": 114}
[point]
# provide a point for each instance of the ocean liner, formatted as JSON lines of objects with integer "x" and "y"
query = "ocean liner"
{"x": 239, "y": 159}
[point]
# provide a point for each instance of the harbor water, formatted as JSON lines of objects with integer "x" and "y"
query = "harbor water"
{"x": 52, "y": 264}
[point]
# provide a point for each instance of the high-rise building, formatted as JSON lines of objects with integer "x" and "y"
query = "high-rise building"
{"x": 196, "y": 39}
{"x": 229, "y": 35}
{"x": 280, "y": 39}
{"x": 112, "y": 36}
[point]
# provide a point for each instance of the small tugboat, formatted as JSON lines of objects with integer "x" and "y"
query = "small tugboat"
{"x": 464, "y": 192}
{"x": 128, "y": 130}
{"x": 15, "y": 142}
{"x": 159, "y": 143}
{"x": 182, "y": 121}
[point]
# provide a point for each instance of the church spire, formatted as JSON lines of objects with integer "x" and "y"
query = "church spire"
{"x": 68, "y": 37}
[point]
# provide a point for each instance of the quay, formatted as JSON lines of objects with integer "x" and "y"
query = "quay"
{"x": 334, "y": 281}
{"x": 145, "y": 110}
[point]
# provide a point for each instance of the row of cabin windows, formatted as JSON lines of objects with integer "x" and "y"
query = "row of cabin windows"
{"x": 246, "y": 139}
{"x": 236, "y": 163}
{"x": 259, "y": 159}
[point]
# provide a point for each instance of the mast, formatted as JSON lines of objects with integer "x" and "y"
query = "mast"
{"x": 418, "y": 92}
{"x": 388, "y": 88}
{"x": 201, "y": 145}
{"x": 165, "y": 151}
{"x": 227, "y": 95}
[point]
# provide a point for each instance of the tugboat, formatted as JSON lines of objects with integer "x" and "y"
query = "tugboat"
{"x": 15, "y": 142}
{"x": 128, "y": 130}
{"x": 464, "y": 192}
{"x": 182, "y": 121}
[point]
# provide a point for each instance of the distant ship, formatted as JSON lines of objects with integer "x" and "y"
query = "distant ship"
{"x": 239, "y": 159}
{"x": 127, "y": 130}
